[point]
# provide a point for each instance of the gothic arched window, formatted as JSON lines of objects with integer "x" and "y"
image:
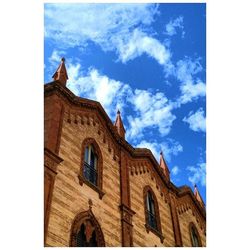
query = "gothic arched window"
{"x": 152, "y": 216}
{"x": 91, "y": 166}
{"x": 194, "y": 235}
{"x": 86, "y": 231}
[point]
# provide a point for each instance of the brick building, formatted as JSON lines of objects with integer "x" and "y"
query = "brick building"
{"x": 99, "y": 190}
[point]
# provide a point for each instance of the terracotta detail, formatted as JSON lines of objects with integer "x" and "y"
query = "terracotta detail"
{"x": 119, "y": 125}
{"x": 126, "y": 212}
{"x": 61, "y": 73}
{"x": 175, "y": 221}
{"x": 88, "y": 218}
{"x": 127, "y": 227}
{"x": 164, "y": 167}
{"x": 198, "y": 196}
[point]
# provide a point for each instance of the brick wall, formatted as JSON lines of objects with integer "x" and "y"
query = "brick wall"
{"x": 67, "y": 125}
{"x": 185, "y": 219}
{"x": 141, "y": 237}
{"x": 70, "y": 198}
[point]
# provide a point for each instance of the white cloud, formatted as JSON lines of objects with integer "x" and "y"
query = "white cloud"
{"x": 175, "y": 170}
{"x": 196, "y": 121}
{"x": 139, "y": 43}
{"x": 169, "y": 148}
{"x": 110, "y": 93}
{"x": 56, "y": 57}
{"x": 197, "y": 174}
{"x": 173, "y": 25}
{"x": 186, "y": 68}
{"x": 191, "y": 89}
{"x": 118, "y": 28}
{"x": 152, "y": 111}
{"x": 96, "y": 22}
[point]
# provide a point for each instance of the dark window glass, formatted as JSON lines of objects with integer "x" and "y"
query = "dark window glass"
{"x": 151, "y": 211}
{"x": 194, "y": 237}
{"x": 90, "y": 165}
{"x": 81, "y": 238}
{"x": 86, "y": 156}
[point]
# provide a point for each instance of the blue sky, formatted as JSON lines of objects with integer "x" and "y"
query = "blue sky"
{"x": 147, "y": 60}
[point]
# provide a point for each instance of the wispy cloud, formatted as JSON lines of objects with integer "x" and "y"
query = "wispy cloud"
{"x": 175, "y": 170}
{"x": 110, "y": 93}
{"x": 191, "y": 88}
{"x": 173, "y": 25}
{"x": 197, "y": 174}
{"x": 151, "y": 111}
{"x": 56, "y": 57}
{"x": 169, "y": 148}
{"x": 138, "y": 43}
{"x": 119, "y": 28}
{"x": 196, "y": 121}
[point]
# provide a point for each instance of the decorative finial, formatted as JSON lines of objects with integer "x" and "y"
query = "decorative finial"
{"x": 119, "y": 125}
{"x": 164, "y": 166}
{"x": 61, "y": 73}
{"x": 90, "y": 204}
{"x": 198, "y": 196}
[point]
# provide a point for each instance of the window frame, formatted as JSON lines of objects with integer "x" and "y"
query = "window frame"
{"x": 99, "y": 167}
{"x": 92, "y": 168}
{"x": 157, "y": 231}
{"x": 192, "y": 228}
{"x": 77, "y": 222}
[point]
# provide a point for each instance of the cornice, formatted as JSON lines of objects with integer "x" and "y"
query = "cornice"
{"x": 186, "y": 191}
{"x": 51, "y": 160}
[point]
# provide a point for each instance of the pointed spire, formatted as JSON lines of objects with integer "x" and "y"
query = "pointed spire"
{"x": 119, "y": 125}
{"x": 198, "y": 196}
{"x": 164, "y": 166}
{"x": 61, "y": 73}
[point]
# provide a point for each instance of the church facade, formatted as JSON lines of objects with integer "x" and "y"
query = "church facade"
{"x": 99, "y": 190}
